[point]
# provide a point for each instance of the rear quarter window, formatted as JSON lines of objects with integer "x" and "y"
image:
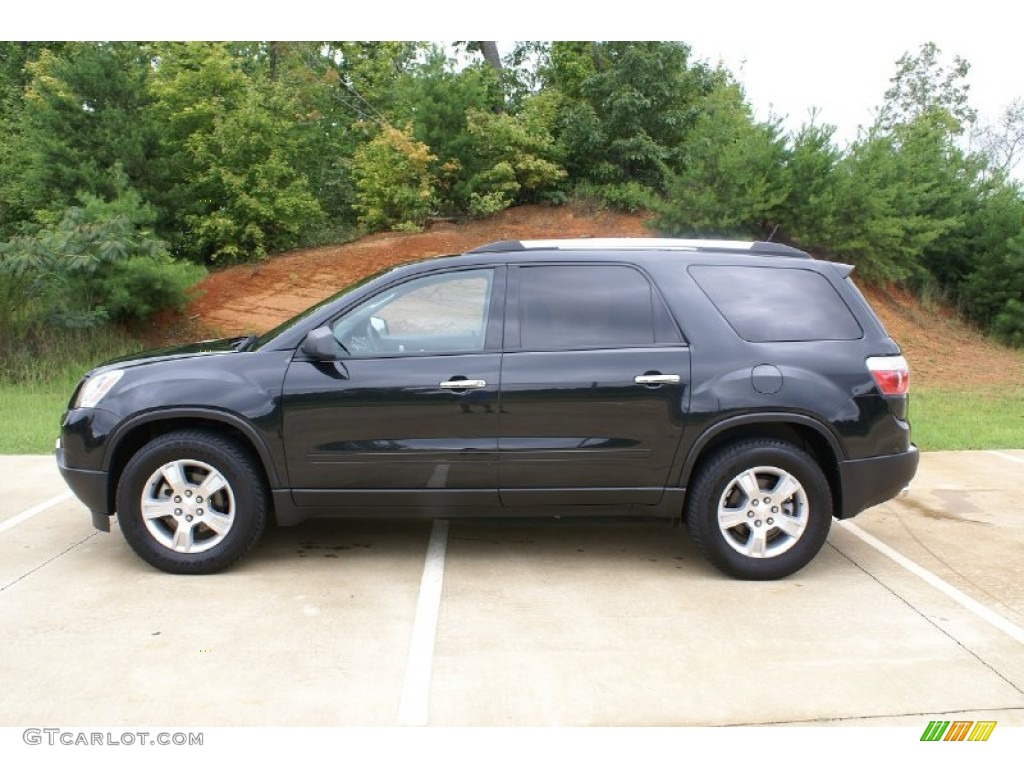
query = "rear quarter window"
{"x": 777, "y": 303}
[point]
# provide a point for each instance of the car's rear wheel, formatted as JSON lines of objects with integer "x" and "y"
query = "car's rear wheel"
{"x": 192, "y": 502}
{"x": 759, "y": 509}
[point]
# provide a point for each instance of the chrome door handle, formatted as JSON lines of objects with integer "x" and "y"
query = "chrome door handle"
{"x": 657, "y": 378}
{"x": 463, "y": 384}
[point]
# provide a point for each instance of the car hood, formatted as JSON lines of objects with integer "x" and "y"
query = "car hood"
{"x": 195, "y": 349}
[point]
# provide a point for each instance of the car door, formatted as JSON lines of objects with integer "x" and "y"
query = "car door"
{"x": 593, "y": 384}
{"x": 407, "y": 415}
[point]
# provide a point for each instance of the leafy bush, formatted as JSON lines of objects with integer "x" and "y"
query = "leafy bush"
{"x": 99, "y": 262}
{"x": 135, "y": 287}
{"x": 517, "y": 155}
{"x": 396, "y": 187}
{"x": 632, "y": 196}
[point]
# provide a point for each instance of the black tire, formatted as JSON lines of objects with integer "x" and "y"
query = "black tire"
{"x": 733, "y": 526}
{"x": 183, "y": 532}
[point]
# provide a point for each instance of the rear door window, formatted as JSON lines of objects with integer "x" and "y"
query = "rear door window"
{"x": 586, "y": 307}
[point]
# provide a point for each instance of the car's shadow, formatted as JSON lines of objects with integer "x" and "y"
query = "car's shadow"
{"x": 609, "y": 544}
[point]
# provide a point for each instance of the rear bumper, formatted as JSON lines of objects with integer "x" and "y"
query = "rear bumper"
{"x": 867, "y": 482}
{"x": 90, "y": 486}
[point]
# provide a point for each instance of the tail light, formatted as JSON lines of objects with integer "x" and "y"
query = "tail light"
{"x": 891, "y": 374}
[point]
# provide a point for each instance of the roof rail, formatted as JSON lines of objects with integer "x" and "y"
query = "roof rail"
{"x": 642, "y": 243}
{"x": 499, "y": 246}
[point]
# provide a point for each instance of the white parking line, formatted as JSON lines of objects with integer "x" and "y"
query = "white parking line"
{"x": 978, "y": 609}
{"x": 414, "y": 707}
{"x": 33, "y": 511}
{"x": 1007, "y": 456}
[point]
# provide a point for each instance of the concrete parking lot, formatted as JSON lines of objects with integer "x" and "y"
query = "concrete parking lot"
{"x": 912, "y": 612}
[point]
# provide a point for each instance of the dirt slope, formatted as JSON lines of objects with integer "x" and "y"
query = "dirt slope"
{"x": 943, "y": 352}
{"x": 256, "y": 298}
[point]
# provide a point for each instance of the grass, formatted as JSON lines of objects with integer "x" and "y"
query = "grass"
{"x": 31, "y": 419}
{"x": 37, "y": 375}
{"x": 964, "y": 419}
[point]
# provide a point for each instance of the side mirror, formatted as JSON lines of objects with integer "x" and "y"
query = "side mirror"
{"x": 320, "y": 344}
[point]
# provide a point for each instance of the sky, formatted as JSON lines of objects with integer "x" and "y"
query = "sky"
{"x": 790, "y": 55}
{"x": 839, "y": 56}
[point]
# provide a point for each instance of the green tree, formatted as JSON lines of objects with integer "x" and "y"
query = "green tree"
{"x": 922, "y": 84}
{"x": 994, "y": 281}
{"x": 627, "y": 108}
{"x": 957, "y": 222}
{"x": 436, "y": 100}
{"x": 883, "y": 219}
{"x": 15, "y": 208}
{"x": 82, "y": 123}
{"x": 994, "y": 292}
{"x": 807, "y": 217}
{"x": 254, "y": 201}
{"x": 731, "y": 182}
{"x": 233, "y": 187}
{"x": 15, "y": 57}
{"x": 1002, "y": 142}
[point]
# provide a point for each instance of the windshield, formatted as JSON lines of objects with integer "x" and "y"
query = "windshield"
{"x": 275, "y": 332}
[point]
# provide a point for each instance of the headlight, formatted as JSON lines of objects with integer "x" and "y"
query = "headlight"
{"x": 96, "y": 388}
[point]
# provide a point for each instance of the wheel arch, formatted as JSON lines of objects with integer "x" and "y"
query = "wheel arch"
{"x": 806, "y": 433}
{"x": 135, "y": 433}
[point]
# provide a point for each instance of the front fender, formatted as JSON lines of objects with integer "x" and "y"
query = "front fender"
{"x": 193, "y": 416}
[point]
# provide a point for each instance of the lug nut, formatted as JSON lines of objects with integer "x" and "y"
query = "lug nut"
{"x": 177, "y": 499}
{"x": 757, "y": 523}
{"x": 189, "y": 493}
{"x": 199, "y": 511}
{"x": 767, "y": 500}
{"x": 775, "y": 510}
{"x": 188, "y": 518}
{"x": 753, "y": 503}
{"x": 750, "y": 513}
{"x": 771, "y": 521}
{"x": 177, "y": 511}
{"x": 199, "y": 499}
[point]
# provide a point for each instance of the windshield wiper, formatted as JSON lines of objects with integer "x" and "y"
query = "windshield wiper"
{"x": 243, "y": 343}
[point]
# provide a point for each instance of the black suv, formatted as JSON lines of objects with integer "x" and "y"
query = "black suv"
{"x": 745, "y": 389}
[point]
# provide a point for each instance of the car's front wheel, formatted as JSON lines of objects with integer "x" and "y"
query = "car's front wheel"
{"x": 759, "y": 509}
{"x": 192, "y": 502}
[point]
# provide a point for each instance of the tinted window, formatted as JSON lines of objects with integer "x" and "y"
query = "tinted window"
{"x": 777, "y": 304}
{"x": 573, "y": 307}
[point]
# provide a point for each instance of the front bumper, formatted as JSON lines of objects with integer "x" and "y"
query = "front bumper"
{"x": 867, "y": 482}
{"x": 91, "y": 488}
